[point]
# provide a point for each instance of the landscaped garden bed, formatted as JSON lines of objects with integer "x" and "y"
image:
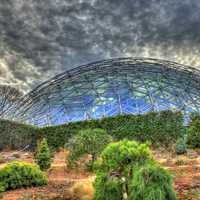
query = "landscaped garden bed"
{"x": 73, "y": 167}
{"x": 61, "y": 179}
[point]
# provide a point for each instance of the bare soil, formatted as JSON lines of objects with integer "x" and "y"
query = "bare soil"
{"x": 186, "y": 171}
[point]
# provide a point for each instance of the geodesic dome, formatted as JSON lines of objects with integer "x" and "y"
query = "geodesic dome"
{"x": 112, "y": 87}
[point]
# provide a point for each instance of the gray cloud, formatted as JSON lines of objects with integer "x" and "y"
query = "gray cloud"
{"x": 39, "y": 39}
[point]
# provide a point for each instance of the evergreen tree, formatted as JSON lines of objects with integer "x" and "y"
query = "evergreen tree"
{"x": 43, "y": 155}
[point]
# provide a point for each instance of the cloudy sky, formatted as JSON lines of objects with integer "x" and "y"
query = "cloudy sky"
{"x": 39, "y": 39}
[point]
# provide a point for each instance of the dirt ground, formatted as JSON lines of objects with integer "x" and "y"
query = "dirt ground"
{"x": 186, "y": 171}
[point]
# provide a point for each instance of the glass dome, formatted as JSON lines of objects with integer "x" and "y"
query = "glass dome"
{"x": 109, "y": 88}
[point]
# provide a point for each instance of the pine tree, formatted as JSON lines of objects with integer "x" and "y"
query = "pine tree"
{"x": 43, "y": 155}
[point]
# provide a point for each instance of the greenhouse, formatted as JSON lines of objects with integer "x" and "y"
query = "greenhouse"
{"x": 109, "y": 88}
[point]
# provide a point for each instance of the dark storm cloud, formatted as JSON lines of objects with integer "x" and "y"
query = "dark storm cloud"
{"x": 42, "y": 38}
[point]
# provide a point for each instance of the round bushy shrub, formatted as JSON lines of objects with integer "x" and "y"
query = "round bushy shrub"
{"x": 43, "y": 155}
{"x": 124, "y": 153}
{"x": 88, "y": 141}
{"x": 193, "y": 137}
{"x": 115, "y": 168}
{"x": 20, "y": 174}
{"x": 126, "y": 170}
{"x": 151, "y": 182}
{"x": 181, "y": 146}
{"x": 82, "y": 190}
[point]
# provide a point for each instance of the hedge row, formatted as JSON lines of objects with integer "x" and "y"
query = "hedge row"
{"x": 17, "y": 136}
{"x": 157, "y": 127}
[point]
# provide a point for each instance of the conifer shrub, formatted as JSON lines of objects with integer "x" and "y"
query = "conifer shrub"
{"x": 43, "y": 155}
{"x": 181, "y": 146}
{"x": 151, "y": 182}
{"x": 21, "y": 174}
{"x": 193, "y": 137}
{"x": 107, "y": 188}
{"x": 126, "y": 167}
{"x": 123, "y": 154}
{"x": 88, "y": 141}
{"x": 115, "y": 168}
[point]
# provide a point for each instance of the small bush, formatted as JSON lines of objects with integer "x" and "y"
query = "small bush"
{"x": 83, "y": 190}
{"x": 88, "y": 141}
{"x": 180, "y": 162}
{"x": 124, "y": 153}
{"x": 20, "y": 174}
{"x": 193, "y": 138}
{"x": 115, "y": 168}
{"x": 126, "y": 170}
{"x": 181, "y": 146}
{"x": 43, "y": 155}
{"x": 151, "y": 182}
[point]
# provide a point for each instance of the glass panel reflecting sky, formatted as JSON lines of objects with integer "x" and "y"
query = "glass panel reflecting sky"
{"x": 112, "y": 87}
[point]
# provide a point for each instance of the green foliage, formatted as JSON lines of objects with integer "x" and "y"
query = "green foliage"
{"x": 16, "y": 136}
{"x": 193, "y": 117}
{"x": 126, "y": 170}
{"x": 163, "y": 127}
{"x": 43, "y": 155}
{"x": 181, "y": 146}
{"x": 193, "y": 137}
{"x": 151, "y": 182}
{"x": 2, "y": 189}
{"x": 123, "y": 155}
{"x": 107, "y": 189}
{"x": 116, "y": 165}
{"x": 88, "y": 141}
{"x": 20, "y": 174}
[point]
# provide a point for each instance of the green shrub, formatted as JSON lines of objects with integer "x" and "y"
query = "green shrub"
{"x": 20, "y": 174}
{"x": 17, "y": 136}
{"x": 163, "y": 128}
{"x": 124, "y": 154}
{"x": 126, "y": 170}
{"x": 88, "y": 141}
{"x": 181, "y": 146}
{"x": 151, "y": 182}
{"x": 43, "y": 155}
{"x": 193, "y": 117}
{"x": 115, "y": 168}
{"x": 193, "y": 137}
{"x": 107, "y": 189}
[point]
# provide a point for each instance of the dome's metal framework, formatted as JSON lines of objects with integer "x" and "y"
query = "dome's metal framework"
{"x": 112, "y": 87}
